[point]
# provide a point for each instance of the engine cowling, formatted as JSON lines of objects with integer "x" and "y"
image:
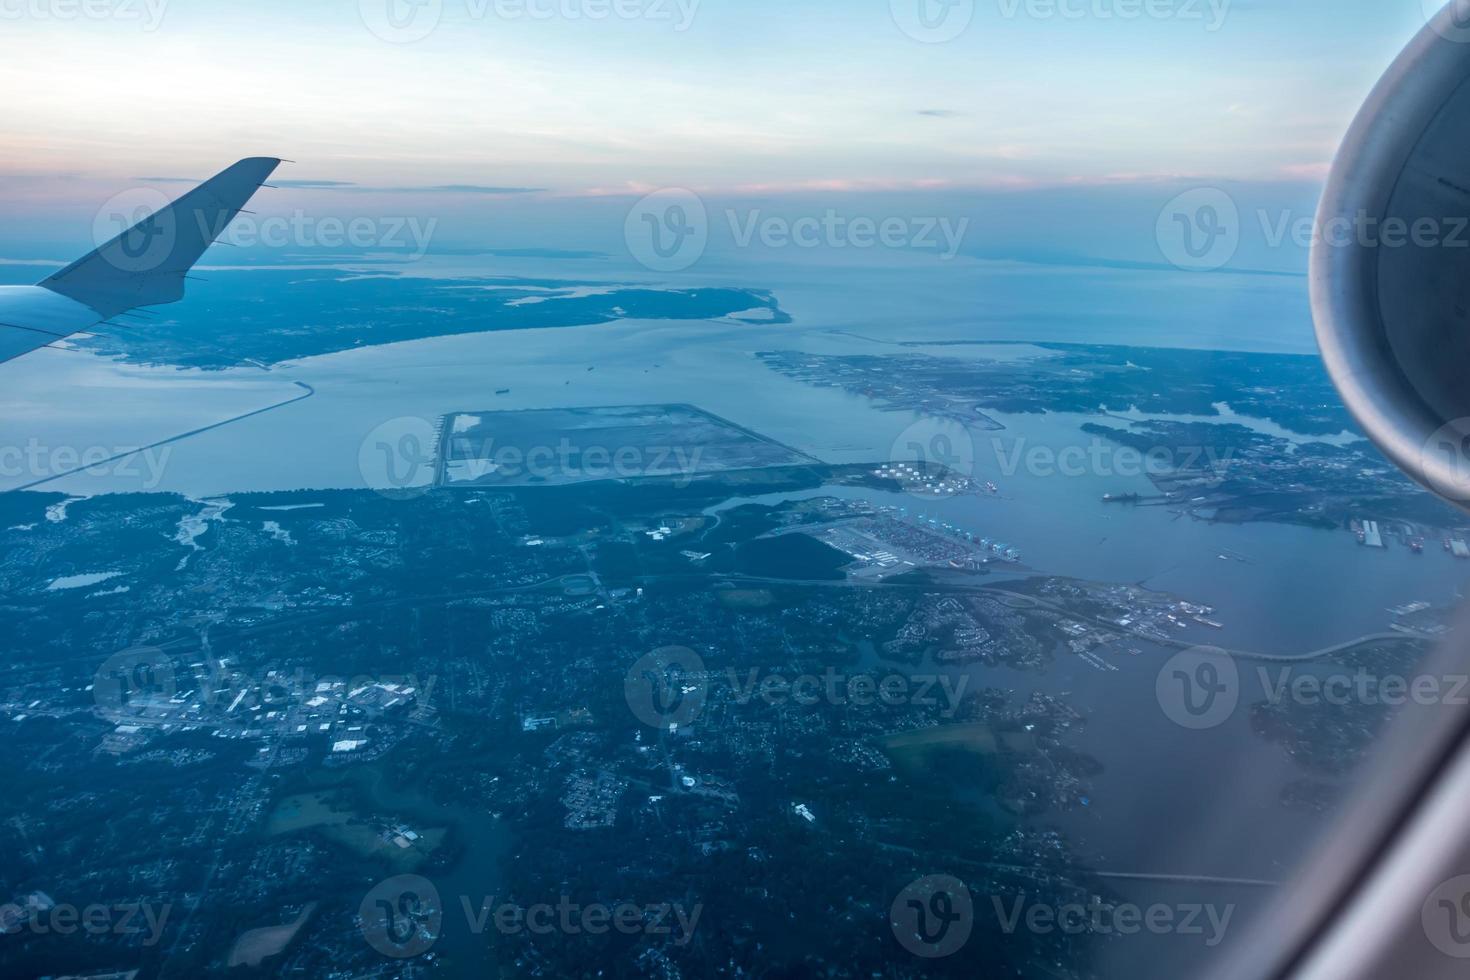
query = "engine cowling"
{"x": 1390, "y": 267}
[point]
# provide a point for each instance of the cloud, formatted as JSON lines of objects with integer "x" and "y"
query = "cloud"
{"x": 314, "y": 184}
{"x": 845, "y": 185}
{"x": 458, "y": 189}
{"x": 621, "y": 190}
{"x": 1308, "y": 171}
{"x": 295, "y": 184}
{"x": 350, "y": 186}
{"x": 940, "y": 113}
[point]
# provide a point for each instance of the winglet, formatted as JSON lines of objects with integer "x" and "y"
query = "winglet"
{"x": 145, "y": 265}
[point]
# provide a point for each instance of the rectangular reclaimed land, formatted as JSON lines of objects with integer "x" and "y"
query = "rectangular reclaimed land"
{"x": 558, "y": 447}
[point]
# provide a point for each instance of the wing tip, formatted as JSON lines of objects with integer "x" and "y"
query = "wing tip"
{"x": 262, "y": 165}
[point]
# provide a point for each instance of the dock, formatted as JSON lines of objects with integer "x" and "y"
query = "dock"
{"x": 1372, "y": 536}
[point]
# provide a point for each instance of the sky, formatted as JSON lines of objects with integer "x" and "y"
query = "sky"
{"x": 532, "y": 109}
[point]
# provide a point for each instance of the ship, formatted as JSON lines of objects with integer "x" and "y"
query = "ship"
{"x": 991, "y": 488}
{"x": 1120, "y": 498}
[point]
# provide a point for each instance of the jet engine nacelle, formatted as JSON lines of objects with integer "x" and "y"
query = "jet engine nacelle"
{"x": 1390, "y": 268}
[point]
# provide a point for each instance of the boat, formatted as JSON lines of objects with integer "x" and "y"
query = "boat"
{"x": 1417, "y": 546}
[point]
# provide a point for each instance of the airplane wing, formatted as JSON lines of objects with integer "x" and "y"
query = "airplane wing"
{"x": 143, "y": 266}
